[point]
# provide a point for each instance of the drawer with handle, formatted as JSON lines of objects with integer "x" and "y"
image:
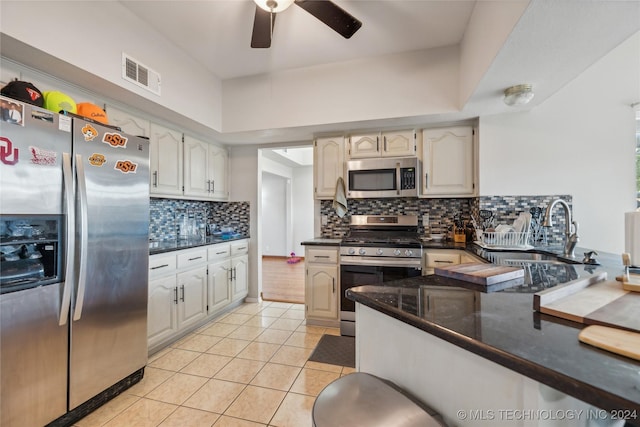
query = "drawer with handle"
{"x": 239, "y": 248}
{"x": 161, "y": 264}
{"x": 441, "y": 259}
{"x": 328, "y": 256}
{"x": 219, "y": 251}
{"x": 192, "y": 257}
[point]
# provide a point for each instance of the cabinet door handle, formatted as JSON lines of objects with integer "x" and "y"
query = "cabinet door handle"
{"x": 175, "y": 295}
{"x": 426, "y": 180}
{"x": 155, "y": 178}
{"x": 208, "y": 186}
{"x": 398, "y": 177}
{"x": 182, "y": 293}
{"x": 160, "y": 266}
{"x": 443, "y": 262}
{"x": 220, "y": 253}
{"x": 384, "y": 138}
{"x": 321, "y": 256}
{"x": 242, "y": 248}
{"x": 334, "y": 285}
{"x": 213, "y": 186}
{"x": 193, "y": 259}
{"x": 234, "y": 275}
{"x": 377, "y": 143}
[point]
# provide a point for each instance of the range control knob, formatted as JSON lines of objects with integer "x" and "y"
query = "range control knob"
{"x": 362, "y": 251}
{"x": 396, "y": 252}
{"x": 352, "y": 251}
{"x": 408, "y": 252}
{"x": 379, "y": 251}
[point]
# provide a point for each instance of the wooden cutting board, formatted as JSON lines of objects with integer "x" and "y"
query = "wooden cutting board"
{"x": 631, "y": 283}
{"x": 592, "y": 300}
{"x": 617, "y": 341}
{"x": 480, "y": 273}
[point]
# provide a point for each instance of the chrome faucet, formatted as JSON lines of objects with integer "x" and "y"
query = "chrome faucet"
{"x": 571, "y": 227}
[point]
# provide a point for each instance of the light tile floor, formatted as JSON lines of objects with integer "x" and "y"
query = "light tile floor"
{"x": 247, "y": 368}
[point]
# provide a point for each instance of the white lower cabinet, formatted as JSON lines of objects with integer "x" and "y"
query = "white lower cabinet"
{"x": 189, "y": 286}
{"x": 322, "y": 285}
{"x": 192, "y": 296}
{"x": 219, "y": 285}
{"x": 239, "y": 279}
{"x": 162, "y": 313}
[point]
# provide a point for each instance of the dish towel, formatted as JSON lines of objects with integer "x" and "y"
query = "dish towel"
{"x": 340, "y": 198}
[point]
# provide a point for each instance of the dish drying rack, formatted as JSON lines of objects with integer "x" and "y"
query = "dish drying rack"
{"x": 515, "y": 238}
{"x": 506, "y": 240}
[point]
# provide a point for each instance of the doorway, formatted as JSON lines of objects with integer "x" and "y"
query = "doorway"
{"x": 286, "y": 219}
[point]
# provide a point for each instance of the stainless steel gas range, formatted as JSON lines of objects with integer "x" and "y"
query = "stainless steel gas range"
{"x": 377, "y": 249}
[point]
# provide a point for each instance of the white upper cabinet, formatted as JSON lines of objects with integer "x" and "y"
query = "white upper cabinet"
{"x": 165, "y": 169}
{"x": 196, "y": 177}
{"x": 399, "y": 143}
{"x": 328, "y": 166}
{"x": 218, "y": 172}
{"x": 448, "y": 162}
{"x": 363, "y": 146}
{"x": 205, "y": 170}
{"x": 383, "y": 144}
{"x": 128, "y": 123}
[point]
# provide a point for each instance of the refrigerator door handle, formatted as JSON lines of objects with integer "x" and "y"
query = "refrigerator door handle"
{"x": 67, "y": 176}
{"x": 84, "y": 237}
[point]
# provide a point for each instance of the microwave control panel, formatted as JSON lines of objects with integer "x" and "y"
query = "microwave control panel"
{"x": 408, "y": 178}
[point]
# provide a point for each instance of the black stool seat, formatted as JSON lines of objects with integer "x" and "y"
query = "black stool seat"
{"x": 361, "y": 399}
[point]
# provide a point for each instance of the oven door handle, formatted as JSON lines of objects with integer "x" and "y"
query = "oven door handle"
{"x": 377, "y": 262}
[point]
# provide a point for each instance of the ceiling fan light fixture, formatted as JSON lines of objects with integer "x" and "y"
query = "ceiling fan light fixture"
{"x": 518, "y": 95}
{"x": 273, "y": 6}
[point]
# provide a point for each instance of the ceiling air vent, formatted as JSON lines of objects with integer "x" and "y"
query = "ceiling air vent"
{"x": 139, "y": 74}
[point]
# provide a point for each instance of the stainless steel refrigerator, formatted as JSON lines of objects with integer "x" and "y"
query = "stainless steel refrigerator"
{"x": 74, "y": 221}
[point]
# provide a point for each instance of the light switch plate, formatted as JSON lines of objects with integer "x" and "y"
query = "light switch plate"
{"x": 425, "y": 220}
{"x": 324, "y": 220}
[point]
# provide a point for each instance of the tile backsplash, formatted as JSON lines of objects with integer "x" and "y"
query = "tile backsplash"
{"x": 441, "y": 211}
{"x": 166, "y": 214}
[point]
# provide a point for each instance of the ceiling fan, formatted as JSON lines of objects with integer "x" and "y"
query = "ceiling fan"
{"x": 326, "y": 11}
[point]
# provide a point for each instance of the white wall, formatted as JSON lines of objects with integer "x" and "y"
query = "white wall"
{"x": 244, "y": 182}
{"x": 274, "y": 214}
{"x": 187, "y": 88}
{"x": 408, "y": 84}
{"x": 302, "y": 207}
{"x": 581, "y": 142}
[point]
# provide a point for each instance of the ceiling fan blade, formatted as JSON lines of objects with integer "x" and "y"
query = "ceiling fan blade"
{"x": 332, "y": 15}
{"x": 262, "y": 27}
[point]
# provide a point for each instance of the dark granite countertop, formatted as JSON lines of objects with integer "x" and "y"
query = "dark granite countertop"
{"x": 321, "y": 241}
{"x": 504, "y": 328}
{"x": 176, "y": 245}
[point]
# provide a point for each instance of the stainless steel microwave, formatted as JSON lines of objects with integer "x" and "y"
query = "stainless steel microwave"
{"x": 383, "y": 177}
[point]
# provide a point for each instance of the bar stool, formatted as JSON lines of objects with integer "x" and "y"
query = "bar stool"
{"x": 361, "y": 399}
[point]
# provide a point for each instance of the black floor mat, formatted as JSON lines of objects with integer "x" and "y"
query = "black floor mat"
{"x": 335, "y": 350}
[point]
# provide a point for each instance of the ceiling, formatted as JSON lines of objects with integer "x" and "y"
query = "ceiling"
{"x": 548, "y": 44}
{"x": 551, "y": 43}
{"x": 217, "y": 33}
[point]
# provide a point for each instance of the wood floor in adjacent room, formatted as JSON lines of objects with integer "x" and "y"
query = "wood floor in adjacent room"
{"x": 281, "y": 281}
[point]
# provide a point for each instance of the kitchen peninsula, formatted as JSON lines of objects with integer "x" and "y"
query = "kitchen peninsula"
{"x": 487, "y": 358}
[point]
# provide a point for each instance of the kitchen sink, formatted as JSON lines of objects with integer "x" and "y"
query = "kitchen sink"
{"x": 518, "y": 258}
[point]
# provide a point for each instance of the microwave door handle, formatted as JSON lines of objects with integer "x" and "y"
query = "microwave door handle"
{"x": 84, "y": 237}
{"x": 67, "y": 176}
{"x": 398, "y": 171}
